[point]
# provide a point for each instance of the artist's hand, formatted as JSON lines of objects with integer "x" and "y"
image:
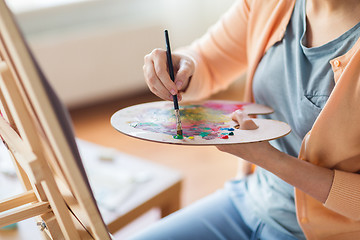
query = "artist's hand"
{"x": 157, "y": 76}
{"x": 255, "y": 153}
{"x": 252, "y": 152}
{"x": 299, "y": 173}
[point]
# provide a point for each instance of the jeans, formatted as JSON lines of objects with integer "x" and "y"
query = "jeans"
{"x": 211, "y": 218}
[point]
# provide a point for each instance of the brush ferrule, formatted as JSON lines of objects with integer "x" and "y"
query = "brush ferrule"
{"x": 177, "y": 116}
{"x": 178, "y": 121}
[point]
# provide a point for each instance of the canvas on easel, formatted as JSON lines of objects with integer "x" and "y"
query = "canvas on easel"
{"x": 36, "y": 129}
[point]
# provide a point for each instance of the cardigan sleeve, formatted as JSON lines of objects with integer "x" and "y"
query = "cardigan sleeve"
{"x": 335, "y": 137}
{"x": 220, "y": 55}
{"x": 344, "y": 195}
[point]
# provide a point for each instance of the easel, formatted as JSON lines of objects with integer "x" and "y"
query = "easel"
{"x": 36, "y": 133}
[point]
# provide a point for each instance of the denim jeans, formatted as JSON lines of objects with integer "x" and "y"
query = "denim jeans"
{"x": 211, "y": 218}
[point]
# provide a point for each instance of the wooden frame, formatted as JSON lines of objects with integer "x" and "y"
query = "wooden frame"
{"x": 37, "y": 132}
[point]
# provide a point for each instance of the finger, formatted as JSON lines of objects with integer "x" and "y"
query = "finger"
{"x": 183, "y": 74}
{"x": 156, "y": 86}
{"x": 179, "y": 96}
{"x": 245, "y": 122}
{"x": 153, "y": 82}
{"x": 238, "y": 116}
{"x": 161, "y": 70}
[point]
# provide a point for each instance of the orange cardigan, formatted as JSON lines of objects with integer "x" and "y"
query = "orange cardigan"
{"x": 235, "y": 45}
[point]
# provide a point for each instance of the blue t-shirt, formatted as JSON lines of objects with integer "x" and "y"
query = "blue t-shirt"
{"x": 296, "y": 82}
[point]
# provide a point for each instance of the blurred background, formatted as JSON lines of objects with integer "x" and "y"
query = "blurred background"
{"x": 92, "y": 53}
{"x": 93, "y": 50}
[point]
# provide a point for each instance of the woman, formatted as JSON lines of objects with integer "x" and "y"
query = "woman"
{"x": 301, "y": 58}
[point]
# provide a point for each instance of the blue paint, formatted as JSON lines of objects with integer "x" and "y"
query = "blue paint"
{"x": 227, "y": 129}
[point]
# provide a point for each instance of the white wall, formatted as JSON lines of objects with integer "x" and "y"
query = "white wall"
{"x": 93, "y": 50}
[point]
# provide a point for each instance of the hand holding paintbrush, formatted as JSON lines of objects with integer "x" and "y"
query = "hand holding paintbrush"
{"x": 159, "y": 74}
{"x": 171, "y": 73}
{"x": 156, "y": 73}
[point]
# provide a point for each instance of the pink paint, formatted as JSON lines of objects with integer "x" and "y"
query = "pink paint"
{"x": 226, "y": 108}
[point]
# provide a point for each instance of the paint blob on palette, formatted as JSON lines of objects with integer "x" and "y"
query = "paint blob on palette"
{"x": 204, "y": 123}
{"x": 207, "y": 121}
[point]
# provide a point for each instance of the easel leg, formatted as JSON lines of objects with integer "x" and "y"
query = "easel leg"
{"x": 50, "y": 227}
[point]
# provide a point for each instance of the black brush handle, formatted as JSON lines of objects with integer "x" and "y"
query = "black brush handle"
{"x": 170, "y": 66}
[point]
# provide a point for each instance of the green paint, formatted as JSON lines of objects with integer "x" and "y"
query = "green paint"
{"x": 179, "y": 136}
{"x": 231, "y": 133}
{"x": 204, "y": 134}
{"x": 147, "y": 124}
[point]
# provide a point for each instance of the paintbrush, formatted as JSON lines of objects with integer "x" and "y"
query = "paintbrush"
{"x": 171, "y": 73}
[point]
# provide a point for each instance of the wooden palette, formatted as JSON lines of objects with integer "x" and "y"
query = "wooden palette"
{"x": 203, "y": 123}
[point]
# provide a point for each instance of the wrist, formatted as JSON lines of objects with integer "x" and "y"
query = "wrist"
{"x": 269, "y": 157}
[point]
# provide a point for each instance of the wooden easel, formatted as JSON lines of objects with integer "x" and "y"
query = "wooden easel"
{"x": 35, "y": 130}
